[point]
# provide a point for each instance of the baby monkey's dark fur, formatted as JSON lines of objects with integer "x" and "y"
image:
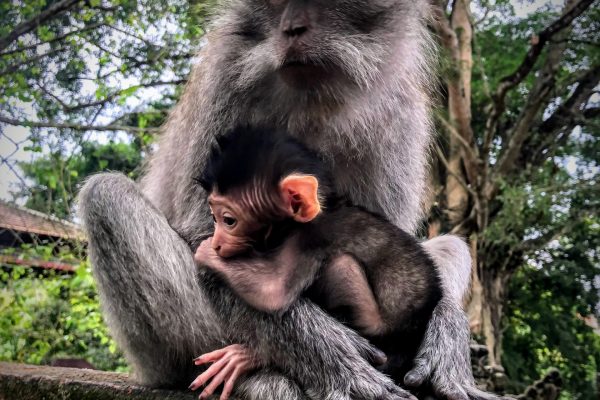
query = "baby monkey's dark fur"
{"x": 355, "y": 264}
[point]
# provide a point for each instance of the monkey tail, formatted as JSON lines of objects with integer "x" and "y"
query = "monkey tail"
{"x": 453, "y": 260}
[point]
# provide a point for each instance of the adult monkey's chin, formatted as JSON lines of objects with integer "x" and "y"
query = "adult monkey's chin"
{"x": 303, "y": 76}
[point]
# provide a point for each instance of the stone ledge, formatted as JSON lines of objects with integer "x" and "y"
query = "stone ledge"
{"x": 34, "y": 382}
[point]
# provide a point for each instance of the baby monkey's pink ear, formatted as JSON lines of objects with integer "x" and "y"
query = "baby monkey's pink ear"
{"x": 300, "y": 196}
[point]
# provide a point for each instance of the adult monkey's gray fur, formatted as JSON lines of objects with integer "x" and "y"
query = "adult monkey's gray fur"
{"x": 370, "y": 117}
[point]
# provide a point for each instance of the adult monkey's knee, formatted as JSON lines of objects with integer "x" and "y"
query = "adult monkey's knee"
{"x": 454, "y": 263}
{"x": 444, "y": 356}
{"x": 104, "y": 195}
{"x": 145, "y": 276}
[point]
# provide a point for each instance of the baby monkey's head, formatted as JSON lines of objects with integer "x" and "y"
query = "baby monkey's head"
{"x": 257, "y": 178}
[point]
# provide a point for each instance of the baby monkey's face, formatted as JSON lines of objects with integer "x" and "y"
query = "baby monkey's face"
{"x": 236, "y": 229}
{"x": 244, "y": 217}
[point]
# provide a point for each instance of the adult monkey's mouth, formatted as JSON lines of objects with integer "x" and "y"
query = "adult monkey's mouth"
{"x": 303, "y": 74}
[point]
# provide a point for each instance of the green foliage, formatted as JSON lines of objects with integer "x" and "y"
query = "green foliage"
{"x": 97, "y": 63}
{"x": 543, "y": 232}
{"x": 544, "y": 218}
{"x": 500, "y": 44}
{"x": 549, "y": 304}
{"x": 46, "y": 315}
{"x": 54, "y": 178}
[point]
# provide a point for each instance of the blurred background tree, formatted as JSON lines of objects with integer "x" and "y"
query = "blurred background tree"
{"x": 517, "y": 174}
{"x": 85, "y": 85}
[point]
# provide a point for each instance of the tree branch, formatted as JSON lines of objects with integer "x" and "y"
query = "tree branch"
{"x": 538, "y": 43}
{"x": 29, "y": 25}
{"x": 483, "y": 18}
{"x": 63, "y": 105}
{"x": 539, "y": 242}
{"x": 53, "y": 40}
{"x": 138, "y": 64}
{"x": 77, "y": 127}
{"x": 110, "y": 97}
{"x": 14, "y": 67}
{"x": 458, "y": 178}
{"x": 566, "y": 111}
{"x": 591, "y": 113}
{"x": 557, "y": 128}
{"x": 536, "y": 100}
{"x": 123, "y": 31}
{"x": 473, "y": 151}
{"x": 510, "y": 81}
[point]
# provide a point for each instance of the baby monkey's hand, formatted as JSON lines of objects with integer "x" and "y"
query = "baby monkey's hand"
{"x": 208, "y": 257}
{"x": 229, "y": 363}
{"x": 205, "y": 252}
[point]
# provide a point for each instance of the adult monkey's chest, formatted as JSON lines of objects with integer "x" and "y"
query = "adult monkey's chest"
{"x": 341, "y": 140}
{"x": 353, "y": 164}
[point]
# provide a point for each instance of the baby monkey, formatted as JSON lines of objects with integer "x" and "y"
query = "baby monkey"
{"x": 281, "y": 231}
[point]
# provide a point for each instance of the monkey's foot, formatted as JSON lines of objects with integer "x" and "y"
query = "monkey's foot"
{"x": 399, "y": 393}
{"x": 448, "y": 387}
{"x": 229, "y": 363}
{"x": 378, "y": 386}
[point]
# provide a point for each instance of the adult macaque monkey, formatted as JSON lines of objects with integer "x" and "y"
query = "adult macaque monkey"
{"x": 349, "y": 79}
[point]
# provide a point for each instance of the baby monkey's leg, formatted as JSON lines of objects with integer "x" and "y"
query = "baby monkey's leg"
{"x": 343, "y": 284}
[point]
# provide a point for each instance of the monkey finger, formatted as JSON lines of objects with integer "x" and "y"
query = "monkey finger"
{"x": 208, "y": 374}
{"x": 377, "y": 358}
{"x": 416, "y": 376}
{"x": 403, "y": 394}
{"x": 452, "y": 392}
{"x": 242, "y": 368}
{"x": 204, "y": 250}
{"x": 228, "y": 386}
{"x": 216, "y": 381}
{"x": 215, "y": 355}
{"x": 209, "y": 357}
{"x": 371, "y": 353}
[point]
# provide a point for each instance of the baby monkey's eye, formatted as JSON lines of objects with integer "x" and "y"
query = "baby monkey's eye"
{"x": 229, "y": 221}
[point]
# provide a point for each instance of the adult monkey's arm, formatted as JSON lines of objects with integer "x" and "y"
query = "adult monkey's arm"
{"x": 162, "y": 316}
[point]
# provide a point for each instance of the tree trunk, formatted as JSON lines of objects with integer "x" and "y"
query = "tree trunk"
{"x": 459, "y": 109}
{"x": 494, "y": 292}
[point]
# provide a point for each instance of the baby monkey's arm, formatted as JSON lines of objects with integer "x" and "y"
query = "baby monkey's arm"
{"x": 271, "y": 284}
{"x": 268, "y": 284}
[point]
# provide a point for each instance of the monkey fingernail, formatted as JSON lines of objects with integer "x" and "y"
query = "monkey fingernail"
{"x": 379, "y": 357}
{"x": 412, "y": 379}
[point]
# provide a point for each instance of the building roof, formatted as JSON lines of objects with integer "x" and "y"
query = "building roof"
{"x": 23, "y": 219}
